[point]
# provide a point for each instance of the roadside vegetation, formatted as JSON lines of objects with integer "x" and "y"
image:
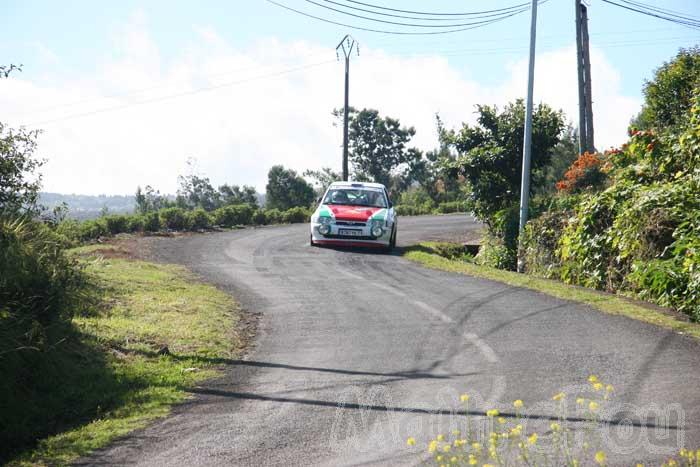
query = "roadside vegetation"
{"x": 132, "y": 342}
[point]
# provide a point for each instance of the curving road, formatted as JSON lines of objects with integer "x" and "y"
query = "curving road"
{"x": 355, "y": 351}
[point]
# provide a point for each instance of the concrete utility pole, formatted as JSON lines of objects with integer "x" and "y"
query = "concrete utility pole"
{"x": 583, "y": 64}
{"x": 347, "y": 44}
{"x": 527, "y": 142}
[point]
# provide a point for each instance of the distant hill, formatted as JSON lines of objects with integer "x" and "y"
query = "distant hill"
{"x": 88, "y": 206}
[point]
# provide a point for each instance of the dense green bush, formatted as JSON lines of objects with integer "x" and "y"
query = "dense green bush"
{"x": 449, "y": 207}
{"x": 135, "y": 223}
{"x": 539, "y": 244}
{"x": 296, "y": 215}
{"x": 409, "y": 210}
{"x": 259, "y": 217}
{"x": 173, "y": 218}
{"x": 117, "y": 224}
{"x": 151, "y": 222}
{"x": 92, "y": 229}
{"x": 273, "y": 216}
{"x": 198, "y": 219}
{"x": 231, "y": 216}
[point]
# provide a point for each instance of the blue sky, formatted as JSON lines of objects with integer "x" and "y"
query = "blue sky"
{"x": 70, "y": 47}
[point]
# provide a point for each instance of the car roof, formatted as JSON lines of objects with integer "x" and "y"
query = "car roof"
{"x": 357, "y": 185}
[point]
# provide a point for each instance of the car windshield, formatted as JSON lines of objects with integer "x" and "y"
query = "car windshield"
{"x": 355, "y": 197}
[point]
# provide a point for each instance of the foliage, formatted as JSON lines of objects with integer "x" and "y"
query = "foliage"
{"x": 233, "y": 195}
{"x": 490, "y": 154}
{"x": 296, "y": 215}
{"x": 198, "y": 219}
{"x": 585, "y": 173}
{"x": 173, "y": 218}
{"x": 195, "y": 191}
{"x": 149, "y": 199}
{"x": 377, "y": 146}
{"x": 321, "y": 179}
{"x": 231, "y": 216}
{"x": 539, "y": 244}
{"x": 668, "y": 97}
{"x": 151, "y": 222}
{"x": 19, "y": 182}
{"x": 100, "y": 376}
{"x": 563, "y": 155}
{"x": 117, "y": 224}
{"x": 285, "y": 189}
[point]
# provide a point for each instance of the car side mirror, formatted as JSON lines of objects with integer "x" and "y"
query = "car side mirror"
{"x": 391, "y": 205}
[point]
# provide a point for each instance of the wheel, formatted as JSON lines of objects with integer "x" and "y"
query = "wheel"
{"x": 311, "y": 240}
{"x": 392, "y": 242}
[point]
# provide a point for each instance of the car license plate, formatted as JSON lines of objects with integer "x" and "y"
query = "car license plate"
{"x": 350, "y": 233}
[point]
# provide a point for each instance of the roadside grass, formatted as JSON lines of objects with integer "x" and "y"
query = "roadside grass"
{"x": 151, "y": 332}
{"x": 429, "y": 254}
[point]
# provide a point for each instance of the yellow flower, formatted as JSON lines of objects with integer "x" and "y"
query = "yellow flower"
{"x": 464, "y": 397}
{"x": 487, "y": 465}
{"x": 609, "y": 388}
{"x": 472, "y": 459}
{"x": 558, "y": 397}
{"x": 439, "y": 458}
{"x": 440, "y": 437}
{"x": 593, "y": 406}
{"x": 516, "y": 431}
{"x": 532, "y": 439}
{"x": 492, "y": 413}
{"x": 555, "y": 426}
{"x": 432, "y": 446}
{"x": 456, "y": 432}
{"x": 593, "y": 379}
{"x": 453, "y": 460}
{"x": 600, "y": 457}
{"x": 446, "y": 448}
{"x": 580, "y": 401}
{"x": 411, "y": 441}
{"x": 501, "y": 420}
{"x": 597, "y": 386}
{"x": 640, "y": 465}
{"x": 518, "y": 404}
{"x": 476, "y": 446}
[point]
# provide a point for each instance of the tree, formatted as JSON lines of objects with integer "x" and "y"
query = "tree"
{"x": 286, "y": 189}
{"x": 149, "y": 199}
{"x": 19, "y": 182}
{"x": 195, "y": 191}
{"x": 378, "y": 145}
{"x": 233, "y": 194}
{"x": 668, "y": 97}
{"x": 490, "y": 154}
{"x": 563, "y": 155}
{"x": 321, "y": 179}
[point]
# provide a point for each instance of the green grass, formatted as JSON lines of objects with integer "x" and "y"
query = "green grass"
{"x": 106, "y": 378}
{"x": 427, "y": 254}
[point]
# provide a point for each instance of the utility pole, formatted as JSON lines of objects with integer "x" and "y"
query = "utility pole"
{"x": 346, "y": 45}
{"x": 583, "y": 65}
{"x": 527, "y": 141}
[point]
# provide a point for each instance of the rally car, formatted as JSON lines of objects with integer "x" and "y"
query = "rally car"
{"x": 355, "y": 214}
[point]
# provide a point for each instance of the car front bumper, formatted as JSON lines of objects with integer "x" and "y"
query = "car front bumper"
{"x": 363, "y": 238}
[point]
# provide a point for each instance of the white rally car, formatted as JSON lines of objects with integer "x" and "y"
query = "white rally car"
{"x": 355, "y": 214}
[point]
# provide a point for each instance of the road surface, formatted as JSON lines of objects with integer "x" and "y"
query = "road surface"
{"x": 355, "y": 351}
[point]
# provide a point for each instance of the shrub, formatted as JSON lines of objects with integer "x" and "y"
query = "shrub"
{"x": 69, "y": 230}
{"x": 409, "y": 210}
{"x": 296, "y": 215}
{"x": 452, "y": 206}
{"x": 117, "y": 224}
{"x": 92, "y": 229}
{"x": 173, "y": 218}
{"x": 259, "y": 217}
{"x": 273, "y": 216}
{"x": 230, "y": 216}
{"x": 584, "y": 174}
{"x": 539, "y": 244}
{"x": 136, "y": 223}
{"x": 198, "y": 219}
{"x": 151, "y": 222}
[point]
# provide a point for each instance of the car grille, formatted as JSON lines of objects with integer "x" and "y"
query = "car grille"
{"x": 350, "y": 237}
{"x": 351, "y": 223}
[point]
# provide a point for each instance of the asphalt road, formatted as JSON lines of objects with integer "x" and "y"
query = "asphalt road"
{"x": 355, "y": 351}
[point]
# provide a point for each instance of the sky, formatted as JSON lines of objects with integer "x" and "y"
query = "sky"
{"x": 126, "y": 92}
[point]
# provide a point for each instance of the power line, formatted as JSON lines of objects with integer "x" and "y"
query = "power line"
{"x": 493, "y": 15}
{"x": 403, "y": 33}
{"x": 378, "y": 7}
{"x": 429, "y": 18}
{"x": 687, "y": 22}
{"x": 677, "y": 14}
{"x": 181, "y": 94}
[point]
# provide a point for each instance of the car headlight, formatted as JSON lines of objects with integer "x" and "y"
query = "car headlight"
{"x": 325, "y": 220}
{"x": 324, "y": 229}
{"x": 377, "y": 228}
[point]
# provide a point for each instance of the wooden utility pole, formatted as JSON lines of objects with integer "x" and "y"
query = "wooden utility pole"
{"x": 583, "y": 65}
{"x": 346, "y": 45}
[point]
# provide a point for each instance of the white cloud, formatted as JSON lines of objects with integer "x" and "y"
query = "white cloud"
{"x": 238, "y": 129}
